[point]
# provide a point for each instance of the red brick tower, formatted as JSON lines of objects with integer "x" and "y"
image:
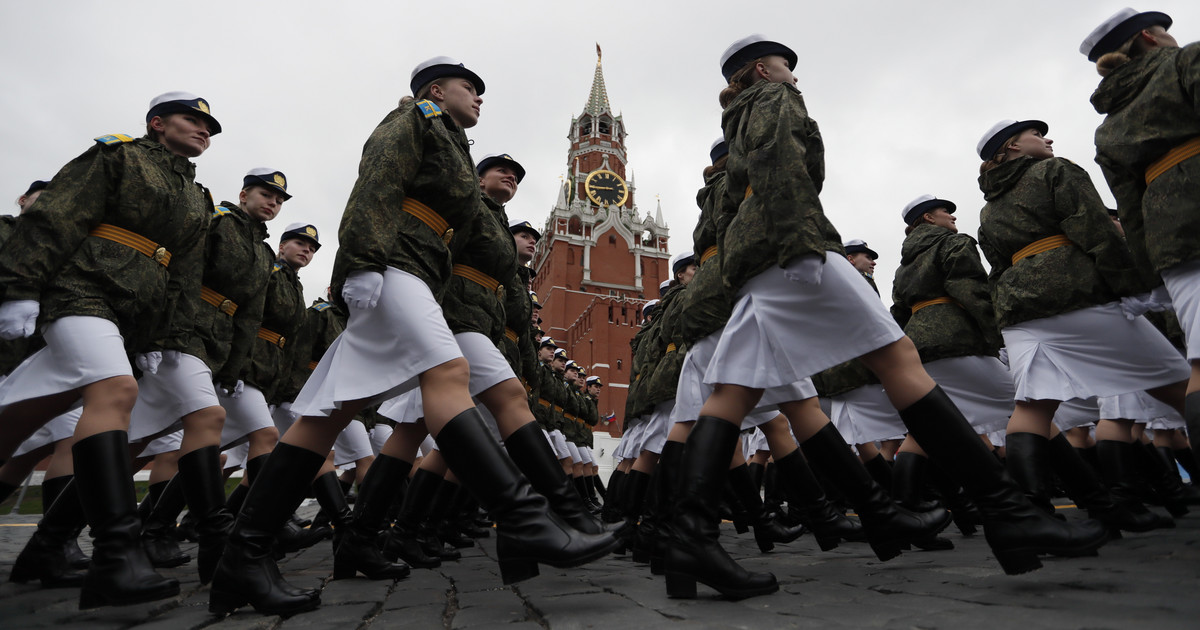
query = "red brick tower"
{"x": 599, "y": 260}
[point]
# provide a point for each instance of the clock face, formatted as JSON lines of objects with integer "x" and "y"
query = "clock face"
{"x": 606, "y": 188}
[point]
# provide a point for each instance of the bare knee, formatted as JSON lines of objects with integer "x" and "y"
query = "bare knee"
{"x": 118, "y": 392}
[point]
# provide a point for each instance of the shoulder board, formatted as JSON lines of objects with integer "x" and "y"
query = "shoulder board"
{"x": 116, "y": 138}
{"x": 322, "y": 306}
{"x": 277, "y": 267}
{"x": 429, "y": 108}
{"x": 221, "y": 211}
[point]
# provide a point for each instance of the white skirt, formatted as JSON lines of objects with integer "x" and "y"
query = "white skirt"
{"x": 181, "y": 386}
{"x": 60, "y": 428}
{"x": 351, "y": 445}
{"x": 236, "y": 457}
{"x": 754, "y": 442}
{"x": 244, "y": 415}
{"x": 79, "y": 351}
{"x": 869, "y": 411}
{"x": 585, "y": 455}
{"x": 383, "y": 349}
{"x": 574, "y": 450}
{"x": 283, "y": 417}
{"x": 782, "y": 331}
{"x": 559, "y": 442}
{"x": 427, "y": 446}
{"x": 488, "y": 366}
{"x": 692, "y": 390}
{"x": 658, "y": 427}
{"x": 165, "y": 444}
{"x": 1077, "y": 413}
{"x": 979, "y": 386}
{"x": 1183, "y": 283}
{"x": 1140, "y": 407}
{"x": 379, "y": 436}
{"x": 1090, "y": 352}
{"x": 631, "y": 442}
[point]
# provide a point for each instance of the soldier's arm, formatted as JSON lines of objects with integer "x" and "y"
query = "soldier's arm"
{"x": 1084, "y": 220}
{"x": 1128, "y": 187}
{"x": 966, "y": 283}
{"x": 246, "y": 322}
{"x": 900, "y": 312}
{"x": 49, "y": 233}
{"x": 183, "y": 285}
{"x": 999, "y": 264}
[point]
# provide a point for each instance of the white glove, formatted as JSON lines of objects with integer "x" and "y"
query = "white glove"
{"x": 805, "y": 269}
{"x": 148, "y": 362}
{"x": 1160, "y": 299}
{"x": 18, "y": 318}
{"x": 362, "y": 289}
{"x": 235, "y": 391}
{"x": 1135, "y": 306}
{"x": 1004, "y": 356}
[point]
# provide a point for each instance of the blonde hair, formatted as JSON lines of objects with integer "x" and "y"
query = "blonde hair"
{"x": 716, "y": 167}
{"x": 742, "y": 79}
{"x": 1001, "y": 155}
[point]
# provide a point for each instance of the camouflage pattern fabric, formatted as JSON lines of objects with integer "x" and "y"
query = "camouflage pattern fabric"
{"x": 938, "y": 263}
{"x": 323, "y": 322}
{"x": 706, "y": 305}
{"x": 1028, "y": 200}
{"x": 12, "y": 353}
{"x": 486, "y": 245}
{"x": 844, "y": 377}
{"x": 283, "y": 313}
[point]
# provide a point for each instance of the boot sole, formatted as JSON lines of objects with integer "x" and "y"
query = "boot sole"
{"x": 221, "y": 604}
{"x": 513, "y": 570}
{"x": 683, "y": 586}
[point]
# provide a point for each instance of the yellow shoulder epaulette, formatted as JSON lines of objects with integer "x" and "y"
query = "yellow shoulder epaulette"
{"x": 429, "y": 108}
{"x": 116, "y": 138}
{"x": 322, "y": 306}
{"x": 221, "y": 211}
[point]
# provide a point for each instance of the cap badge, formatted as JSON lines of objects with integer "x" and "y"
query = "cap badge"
{"x": 311, "y": 231}
{"x": 202, "y": 106}
{"x": 280, "y": 181}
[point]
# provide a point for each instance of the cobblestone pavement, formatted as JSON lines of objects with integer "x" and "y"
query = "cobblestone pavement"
{"x": 1144, "y": 580}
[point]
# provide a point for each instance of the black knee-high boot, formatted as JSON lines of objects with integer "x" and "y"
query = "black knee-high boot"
{"x": 635, "y": 486}
{"x": 247, "y": 573}
{"x": 236, "y": 498}
{"x": 1028, "y": 463}
{"x": 1117, "y": 463}
{"x": 1085, "y": 487}
{"x": 7, "y": 489}
{"x": 666, "y": 481}
{"x": 403, "y": 539}
{"x": 962, "y": 509}
{"x": 767, "y": 529}
{"x": 534, "y": 456}
{"x": 51, "y": 488}
{"x": 120, "y": 573}
{"x": 889, "y": 527}
{"x": 600, "y": 489}
{"x": 693, "y": 553}
{"x": 158, "y": 532}
{"x": 610, "y": 512}
{"x": 527, "y": 531}
{"x": 357, "y": 539}
{"x": 200, "y": 476}
{"x": 1187, "y": 459}
{"x": 757, "y": 473}
{"x": 1189, "y": 494}
{"x": 806, "y": 496}
{"x": 908, "y": 485}
{"x": 1166, "y": 486}
{"x": 441, "y": 517}
{"x": 1013, "y": 527}
{"x": 881, "y": 470}
{"x": 44, "y": 557}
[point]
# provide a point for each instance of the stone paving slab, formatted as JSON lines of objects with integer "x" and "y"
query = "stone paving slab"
{"x": 1148, "y": 580}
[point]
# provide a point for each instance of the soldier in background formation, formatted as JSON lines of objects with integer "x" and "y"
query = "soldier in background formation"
{"x": 431, "y": 315}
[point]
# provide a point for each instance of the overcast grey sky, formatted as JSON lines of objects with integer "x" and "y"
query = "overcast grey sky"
{"x": 902, "y": 90}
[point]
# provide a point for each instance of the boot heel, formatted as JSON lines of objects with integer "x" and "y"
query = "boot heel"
{"x": 222, "y": 603}
{"x": 828, "y": 544}
{"x": 1018, "y": 562}
{"x": 765, "y": 546}
{"x": 513, "y": 571}
{"x": 681, "y": 586}
{"x": 885, "y": 550}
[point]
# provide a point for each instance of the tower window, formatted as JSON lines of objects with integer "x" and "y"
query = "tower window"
{"x": 612, "y": 240}
{"x": 605, "y": 128}
{"x": 575, "y": 226}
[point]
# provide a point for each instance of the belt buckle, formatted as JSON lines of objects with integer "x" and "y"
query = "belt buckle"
{"x": 447, "y": 235}
{"x": 159, "y": 255}
{"x": 500, "y": 292}
{"x": 225, "y": 305}
{"x": 282, "y": 340}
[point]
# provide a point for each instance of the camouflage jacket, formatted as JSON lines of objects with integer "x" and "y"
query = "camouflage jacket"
{"x": 518, "y": 311}
{"x": 283, "y": 313}
{"x": 323, "y": 322}
{"x": 1151, "y": 104}
{"x": 663, "y": 379}
{"x": 416, "y": 152}
{"x": 844, "y": 377}
{"x": 237, "y": 264}
{"x": 937, "y": 263}
{"x": 706, "y": 305}
{"x": 137, "y": 185}
{"x": 485, "y": 245}
{"x": 545, "y": 390}
{"x": 776, "y": 167}
{"x": 632, "y": 419}
{"x": 1029, "y": 200}
{"x": 645, "y": 359}
{"x": 12, "y": 353}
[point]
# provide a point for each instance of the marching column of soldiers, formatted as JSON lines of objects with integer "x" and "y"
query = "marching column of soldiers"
{"x": 143, "y": 322}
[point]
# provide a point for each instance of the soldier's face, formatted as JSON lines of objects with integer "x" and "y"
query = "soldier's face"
{"x": 183, "y": 134}
{"x": 499, "y": 183}
{"x": 1033, "y": 144}
{"x": 526, "y": 245}
{"x": 262, "y": 204}
{"x": 862, "y": 262}
{"x": 533, "y": 319}
{"x": 297, "y": 252}
{"x": 458, "y": 98}
{"x": 594, "y": 389}
{"x": 685, "y": 276}
{"x": 941, "y": 218}
{"x": 559, "y": 364}
{"x": 545, "y": 354}
{"x": 774, "y": 68}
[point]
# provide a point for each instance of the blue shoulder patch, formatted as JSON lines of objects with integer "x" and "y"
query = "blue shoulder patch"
{"x": 277, "y": 267}
{"x": 322, "y": 306}
{"x": 116, "y": 138}
{"x": 429, "y": 108}
{"x": 221, "y": 211}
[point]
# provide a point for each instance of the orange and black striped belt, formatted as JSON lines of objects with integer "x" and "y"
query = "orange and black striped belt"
{"x": 480, "y": 278}
{"x": 135, "y": 241}
{"x": 558, "y": 409}
{"x": 272, "y": 337}
{"x": 223, "y": 304}
{"x": 429, "y": 217}
{"x": 1189, "y": 149}
{"x": 749, "y": 191}
{"x": 312, "y": 365}
{"x": 511, "y": 334}
{"x": 1041, "y": 245}
{"x": 545, "y": 403}
{"x": 708, "y": 253}
{"x": 671, "y": 347}
{"x": 941, "y": 300}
